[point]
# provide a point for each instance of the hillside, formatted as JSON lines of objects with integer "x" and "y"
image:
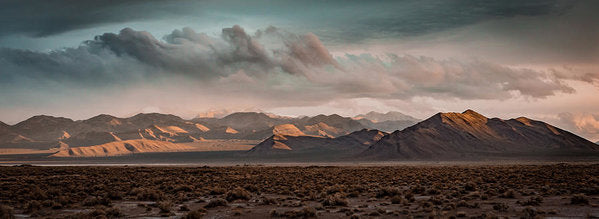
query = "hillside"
{"x": 352, "y": 143}
{"x": 455, "y": 135}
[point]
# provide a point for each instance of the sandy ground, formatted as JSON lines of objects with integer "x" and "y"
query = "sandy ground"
{"x": 199, "y": 146}
{"x": 10, "y": 151}
{"x": 222, "y": 145}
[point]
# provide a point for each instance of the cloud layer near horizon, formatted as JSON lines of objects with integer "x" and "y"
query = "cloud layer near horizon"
{"x": 273, "y": 61}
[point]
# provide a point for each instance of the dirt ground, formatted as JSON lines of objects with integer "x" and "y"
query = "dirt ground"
{"x": 460, "y": 191}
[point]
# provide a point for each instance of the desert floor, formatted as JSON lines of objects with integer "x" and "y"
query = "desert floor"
{"x": 562, "y": 190}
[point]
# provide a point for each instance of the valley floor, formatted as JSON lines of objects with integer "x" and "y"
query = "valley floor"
{"x": 475, "y": 190}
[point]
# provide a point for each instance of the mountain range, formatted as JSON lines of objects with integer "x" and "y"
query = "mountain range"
{"x": 463, "y": 135}
{"x": 442, "y": 136}
{"x": 49, "y": 132}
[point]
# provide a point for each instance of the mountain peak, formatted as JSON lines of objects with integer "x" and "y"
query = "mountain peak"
{"x": 468, "y": 117}
{"x": 46, "y": 117}
{"x": 103, "y": 117}
{"x": 247, "y": 115}
{"x": 44, "y": 120}
{"x": 524, "y": 120}
{"x": 471, "y": 112}
{"x": 456, "y": 134}
{"x": 155, "y": 116}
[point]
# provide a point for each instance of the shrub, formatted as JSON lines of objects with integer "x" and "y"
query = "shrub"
{"x": 216, "y": 202}
{"x": 197, "y": 214}
{"x": 268, "y": 201}
{"x": 500, "y": 207}
{"x": 217, "y": 191}
{"x": 93, "y": 201}
{"x": 579, "y": 199}
{"x": 303, "y": 213}
{"x": 335, "y": 200}
{"x": 388, "y": 192}
{"x": 33, "y": 206}
{"x": 470, "y": 186}
{"x": 532, "y": 201}
{"x": 114, "y": 213}
{"x": 238, "y": 193}
{"x": 149, "y": 195}
{"x": 508, "y": 194}
{"x": 410, "y": 197}
{"x": 184, "y": 188}
{"x": 396, "y": 199}
{"x": 529, "y": 213}
{"x": 6, "y": 212}
{"x": 183, "y": 208}
{"x": 165, "y": 206}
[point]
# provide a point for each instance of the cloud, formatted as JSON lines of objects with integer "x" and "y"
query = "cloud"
{"x": 45, "y": 18}
{"x": 585, "y": 124}
{"x": 343, "y": 20}
{"x": 274, "y": 63}
{"x": 564, "y": 37}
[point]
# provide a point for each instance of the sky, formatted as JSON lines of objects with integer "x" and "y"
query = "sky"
{"x": 504, "y": 59}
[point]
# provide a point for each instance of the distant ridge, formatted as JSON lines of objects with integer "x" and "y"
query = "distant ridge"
{"x": 350, "y": 144}
{"x": 382, "y": 117}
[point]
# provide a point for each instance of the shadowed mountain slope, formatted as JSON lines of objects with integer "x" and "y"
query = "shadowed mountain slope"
{"x": 350, "y": 144}
{"x": 447, "y": 135}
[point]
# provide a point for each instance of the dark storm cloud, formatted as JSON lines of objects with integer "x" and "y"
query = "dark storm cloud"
{"x": 339, "y": 20}
{"x": 273, "y": 62}
{"x": 392, "y": 19}
{"x": 48, "y": 17}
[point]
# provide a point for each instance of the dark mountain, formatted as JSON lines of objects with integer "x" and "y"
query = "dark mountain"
{"x": 364, "y": 136}
{"x": 344, "y": 123}
{"x": 387, "y": 126}
{"x": 44, "y": 128}
{"x": 447, "y": 135}
{"x": 339, "y": 147}
{"x": 108, "y": 123}
{"x": 9, "y": 137}
{"x": 3, "y": 126}
{"x": 148, "y": 119}
{"x": 250, "y": 120}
